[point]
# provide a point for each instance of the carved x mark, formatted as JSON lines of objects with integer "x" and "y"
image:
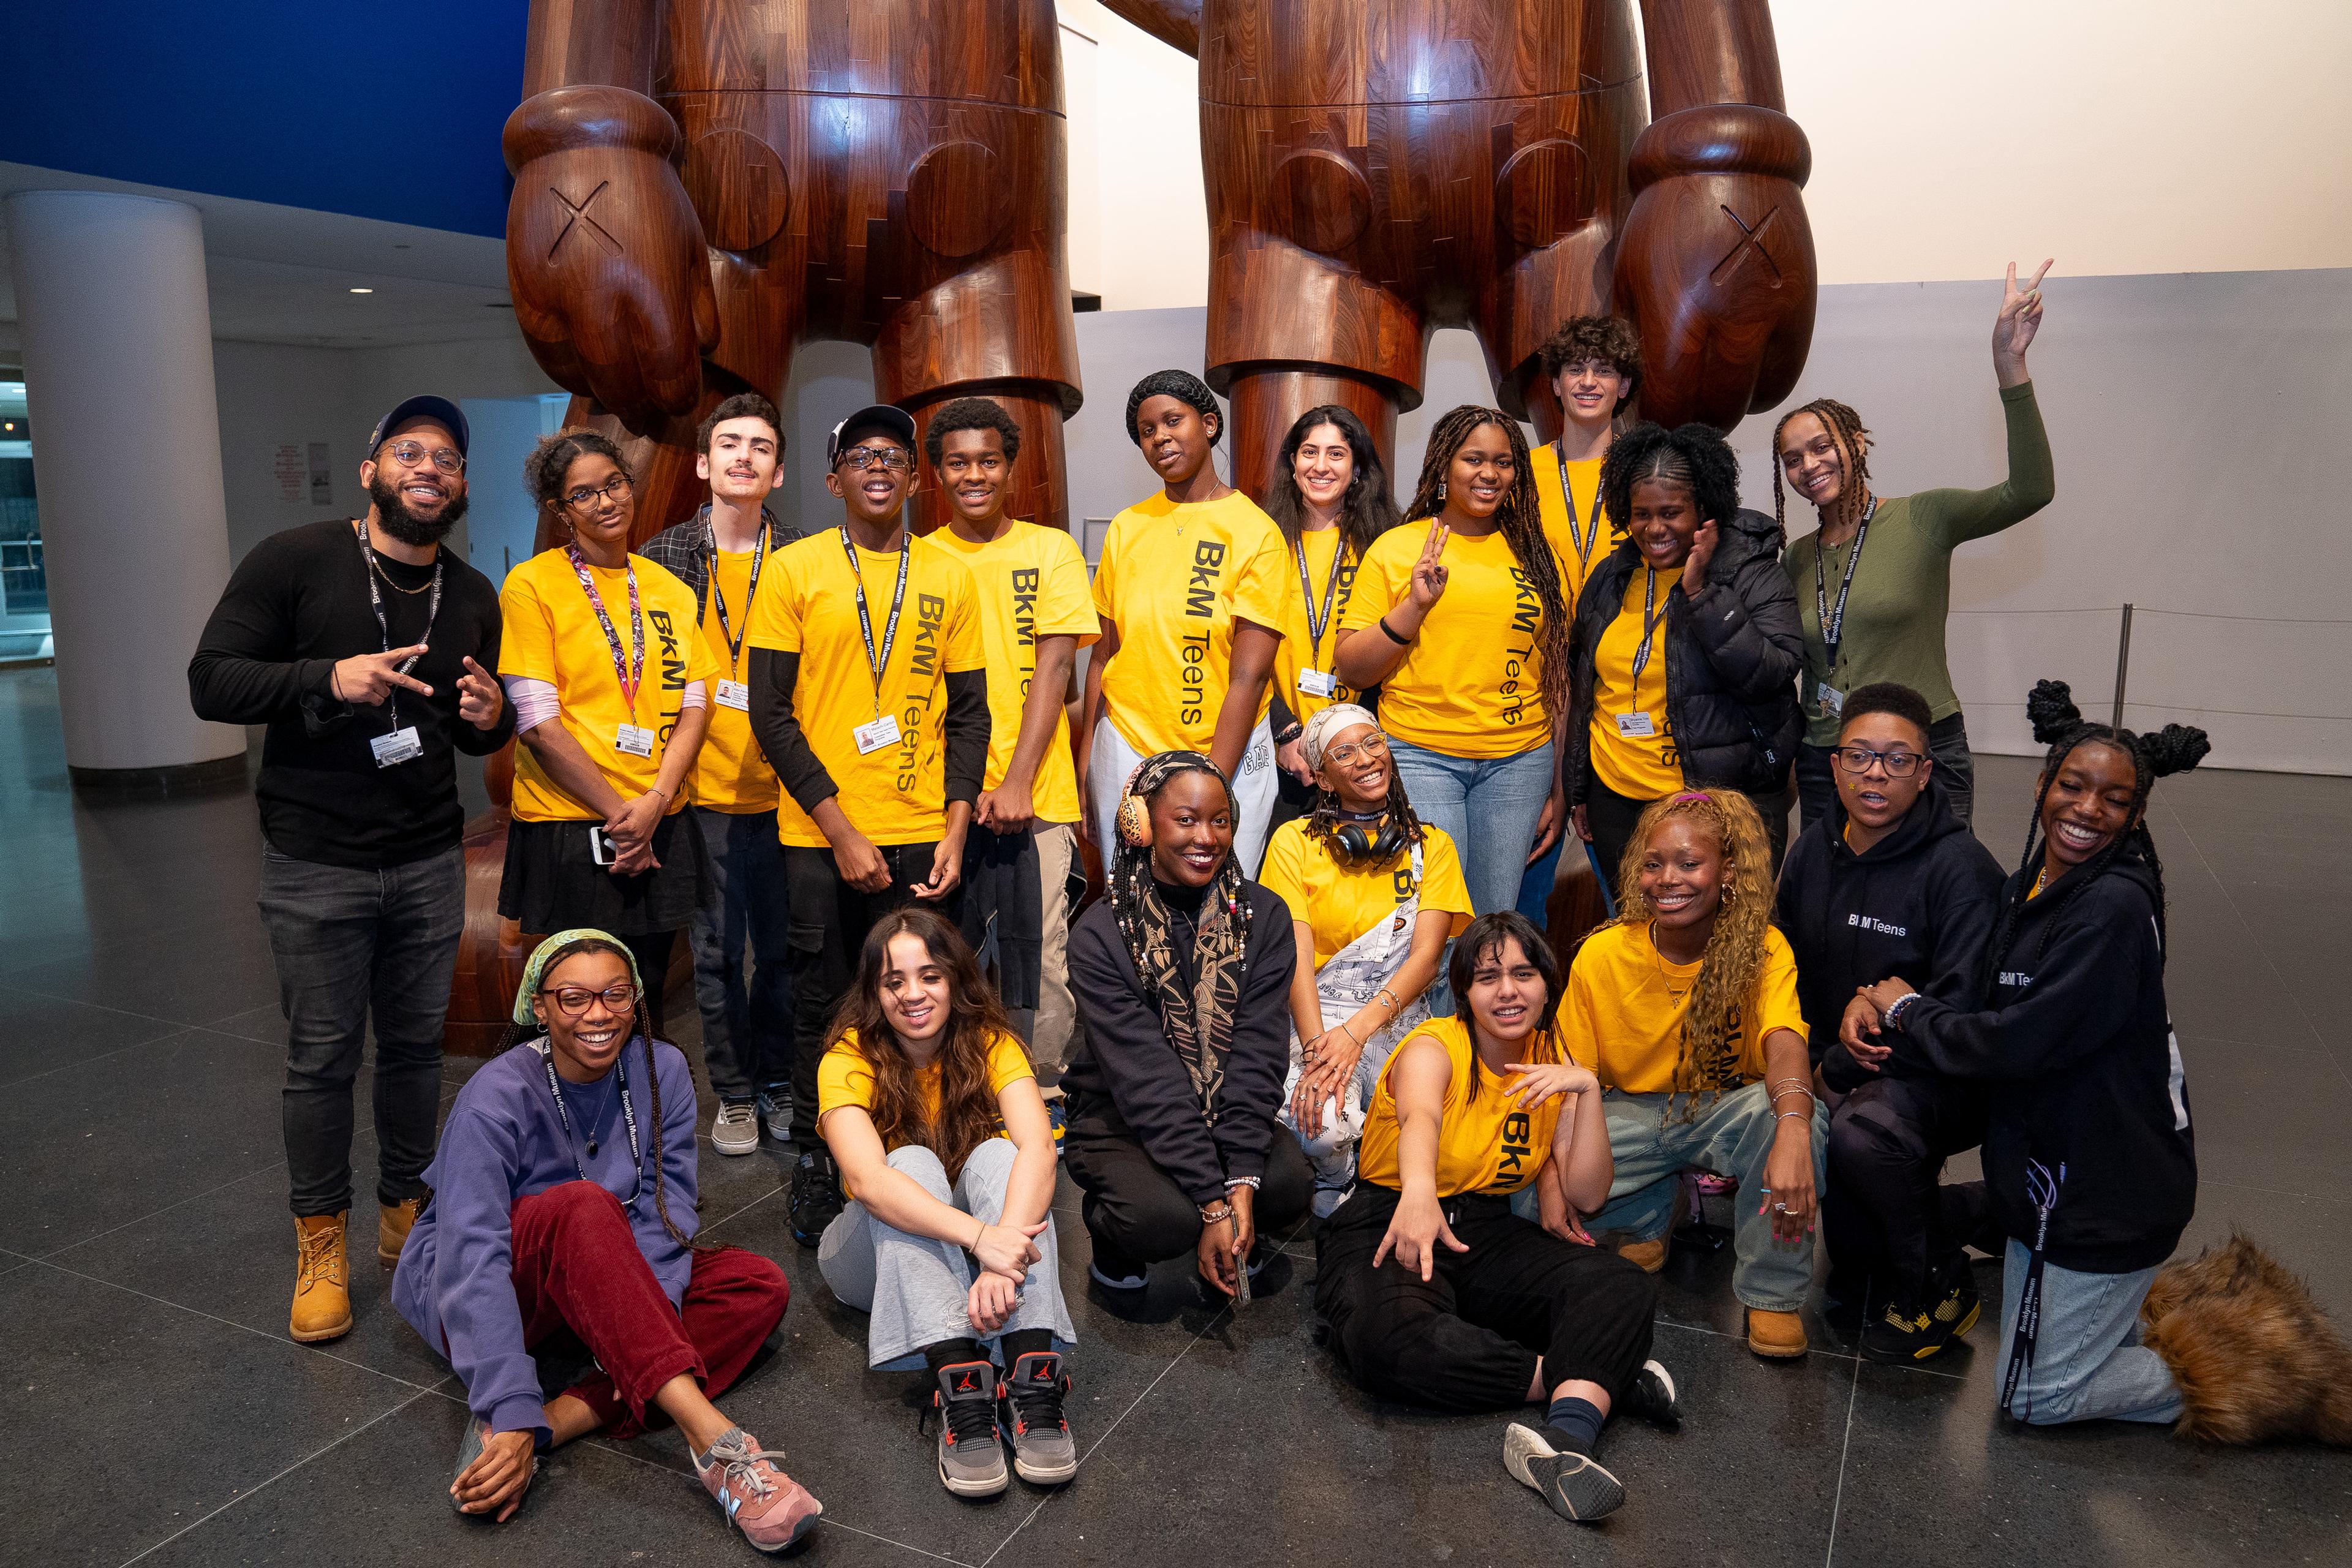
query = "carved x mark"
{"x": 579, "y": 211}
{"x": 1749, "y": 239}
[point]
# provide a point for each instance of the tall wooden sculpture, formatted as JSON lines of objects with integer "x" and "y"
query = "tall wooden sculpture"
{"x": 701, "y": 185}
{"x": 1380, "y": 168}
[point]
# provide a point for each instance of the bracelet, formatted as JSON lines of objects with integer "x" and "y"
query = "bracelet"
{"x": 1775, "y": 1095}
{"x": 1800, "y": 1083}
{"x": 1800, "y": 1115}
{"x": 1383, "y": 623}
{"x": 1352, "y": 1035}
{"x": 1395, "y": 1006}
{"x": 977, "y": 1236}
{"x": 1902, "y": 1007}
{"x": 1219, "y": 1217}
{"x": 1290, "y": 734}
{"x": 1233, "y": 1181}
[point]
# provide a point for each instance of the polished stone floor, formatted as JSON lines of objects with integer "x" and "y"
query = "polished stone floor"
{"x": 156, "y": 1411}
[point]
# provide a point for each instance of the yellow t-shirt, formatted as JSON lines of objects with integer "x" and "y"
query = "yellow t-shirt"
{"x": 843, "y": 1076}
{"x": 1471, "y": 683}
{"x": 1623, "y": 1015}
{"x": 1639, "y": 767}
{"x": 896, "y": 795}
{"x": 1340, "y": 902}
{"x": 1485, "y": 1142}
{"x": 1031, "y": 583}
{"x": 552, "y": 634}
{"x": 730, "y": 772}
{"x": 1299, "y": 650}
{"x": 1173, "y": 580}
{"x": 1584, "y": 492}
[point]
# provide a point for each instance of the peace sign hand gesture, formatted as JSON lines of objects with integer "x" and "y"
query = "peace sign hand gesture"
{"x": 2019, "y": 318}
{"x": 1429, "y": 573}
{"x": 365, "y": 679}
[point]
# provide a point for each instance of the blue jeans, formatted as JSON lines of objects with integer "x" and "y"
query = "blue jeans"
{"x": 348, "y": 944}
{"x": 2088, "y": 1362}
{"x": 744, "y": 915}
{"x": 1487, "y": 806}
{"x": 1535, "y": 881}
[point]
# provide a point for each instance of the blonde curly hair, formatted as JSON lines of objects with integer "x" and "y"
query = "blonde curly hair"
{"x": 1734, "y": 950}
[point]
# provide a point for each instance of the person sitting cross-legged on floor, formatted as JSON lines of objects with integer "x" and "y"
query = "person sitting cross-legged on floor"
{"x": 562, "y": 1200}
{"x": 932, "y": 1111}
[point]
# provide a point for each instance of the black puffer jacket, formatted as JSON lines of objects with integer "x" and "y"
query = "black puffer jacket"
{"x": 1732, "y": 659}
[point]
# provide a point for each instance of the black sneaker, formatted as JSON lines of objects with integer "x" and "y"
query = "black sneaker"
{"x": 1901, "y": 1333}
{"x": 1575, "y": 1484}
{"x": 971, "y": 1445}
{"x": 1116, "y": 1270}
{"x": 1042, "y": 1451}
{"x": 1651, "y": 1397}
{"x": 1957, "y": 1312}
{"x": 817, "y": 1197}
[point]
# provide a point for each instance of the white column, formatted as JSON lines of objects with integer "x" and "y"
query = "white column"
{"x": 116, "y": 333}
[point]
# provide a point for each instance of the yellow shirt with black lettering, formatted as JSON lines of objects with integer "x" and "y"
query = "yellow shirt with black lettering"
{"x": 1031, "y": 583}
{"x": 1299, "y": 648}
{"x": 1623, "y": 1014}
{"x": 551, "y": 633}
{"x": 1340, "y": 902}
{"x": 1485, "y": 1144}
{"x": 1471, "y": 683}
{"x": 1173, "y": 579}
{"x": 1583, "y": 493}
{"x": 1639, "y": 767}
{"x": 843, "y": 1076}
{"x": 896, "y": 793}
{"x": 730, "y": 772}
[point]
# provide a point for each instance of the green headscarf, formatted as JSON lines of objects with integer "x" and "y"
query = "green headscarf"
{"x": 536, "y": 970}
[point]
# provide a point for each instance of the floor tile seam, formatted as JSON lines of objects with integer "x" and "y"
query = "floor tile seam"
{"x": 81, "y": 1062}
{"x": 251, "y": 1492}
{"x": 155, "y": 1214}
{"x": 1845, "y": 1451}
{"x": 124, "y": 1012}
{"x": 747, "y": 1208}
{"x": 1810, "y": 1351}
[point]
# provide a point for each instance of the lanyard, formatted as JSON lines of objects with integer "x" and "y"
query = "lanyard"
{"x": 384, "y": 626}
{"x": 1652, "y": 614}
{"x": 632, "y": 670}
{"x": 1316, "y": 625}
{"x": 628, "y": 1109}
{"x": 1833, "y": 620}
{"x": 751, "y": 591}
{"x": 881, "y": 661}
{"x": 2042, "y": 1188}
{"x": 1583, "y": 541}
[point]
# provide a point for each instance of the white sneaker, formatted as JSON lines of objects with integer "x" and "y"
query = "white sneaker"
{"x": 736, "y": 1130}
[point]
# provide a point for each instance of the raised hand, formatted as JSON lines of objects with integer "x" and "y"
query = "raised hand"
{"x": 1429, "y": 573}
{"x": 1702, "y": 550}
{"x": 479, "y": 699}
{"x": 2019, "y": 318}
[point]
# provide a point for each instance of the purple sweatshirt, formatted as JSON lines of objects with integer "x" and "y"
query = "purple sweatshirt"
{"x": 504, "y": 1141}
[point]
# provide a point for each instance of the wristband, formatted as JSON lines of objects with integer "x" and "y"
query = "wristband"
{"x": 1233, "y": 1181}
{"x": 1900, "y": 1010}
{"x": 1383, "y": 623}
{"x": 1291, "y": 733}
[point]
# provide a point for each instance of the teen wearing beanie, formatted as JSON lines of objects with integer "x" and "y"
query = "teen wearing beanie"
{"x": 1890, "y": 881}
{"x": 1189, "y": 590}
{"x": 564, "y": 1201}
{"x": 931, "y": 1106}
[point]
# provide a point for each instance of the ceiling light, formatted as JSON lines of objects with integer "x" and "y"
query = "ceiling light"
{"x": 362, "y": 290}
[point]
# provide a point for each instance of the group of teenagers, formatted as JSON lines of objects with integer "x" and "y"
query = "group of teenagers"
{"x": 1330, "y": 754}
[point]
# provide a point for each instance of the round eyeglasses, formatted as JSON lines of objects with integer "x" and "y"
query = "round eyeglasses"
{"x": 613, "y": 490}
{"x": 412, "y": 454}
{"x": 1857, "y": 760}
{"x": 572, "y": 1001}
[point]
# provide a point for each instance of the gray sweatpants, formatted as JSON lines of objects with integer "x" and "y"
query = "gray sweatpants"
{"x": 916, "y": 1287}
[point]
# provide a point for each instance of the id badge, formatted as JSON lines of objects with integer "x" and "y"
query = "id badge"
{"x": 402, "y": 745}
{"x": 634, "y": 738}
{"x": 1832, "y": 700}
{"x": 736, "y": 694}
{"x": 1316, "y": 683}
{"x": 1635, "y": 726}
{"x": 874, "y": 737}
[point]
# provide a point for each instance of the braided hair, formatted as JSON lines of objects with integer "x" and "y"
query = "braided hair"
{"x": 1323, "y": 818}
{"x": 1519, "y": 520}
{"x": 1695, "y": 457}
{"x": 1366, "y": 512}
{"x": 1129, "y": 881}
{"x": 641, "y": 1028}
{"x": 2060, "y": 725}
{"x": 1852, "y": 439}
{"x": 1184, "y": 388}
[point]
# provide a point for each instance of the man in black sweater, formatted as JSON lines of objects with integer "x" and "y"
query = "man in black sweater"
{"x": 367, "y": 650}
{"x": 1889, "y": 881}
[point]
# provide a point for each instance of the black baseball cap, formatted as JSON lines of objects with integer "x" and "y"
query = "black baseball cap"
{"x": 426, "y": 407}
{"x": 886, "y": 418}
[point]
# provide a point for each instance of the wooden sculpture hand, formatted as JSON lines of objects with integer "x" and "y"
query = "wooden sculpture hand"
{"x": 605, "y": 255}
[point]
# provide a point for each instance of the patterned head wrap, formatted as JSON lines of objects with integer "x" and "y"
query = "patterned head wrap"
{"x": 1326, "y": 725}
{"x": 543, "y": 957}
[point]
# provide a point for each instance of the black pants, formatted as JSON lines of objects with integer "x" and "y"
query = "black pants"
{"x": 1613, "y": 818}
{"x": 1947, "y": 742}
{"x": 1132, "y": 1209}
{"x": 1470, "y": 1337}
{"x": 830, "y": 920}
{"x": 1883, "y": 1211}
{"x": 652, "y": 950}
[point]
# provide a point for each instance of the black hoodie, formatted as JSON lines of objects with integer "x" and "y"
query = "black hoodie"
{"x": 1920, "y": 904}
{"x": 2078, "y": 1050}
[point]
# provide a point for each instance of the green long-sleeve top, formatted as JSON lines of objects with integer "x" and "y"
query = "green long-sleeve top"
{"x": 1902, "y": 593}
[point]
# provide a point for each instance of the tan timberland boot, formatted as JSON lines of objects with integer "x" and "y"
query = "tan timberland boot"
{"x": 392, "y": 1224}
{"x": 322, "y": 1278}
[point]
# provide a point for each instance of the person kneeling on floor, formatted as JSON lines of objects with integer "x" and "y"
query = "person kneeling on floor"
{"x": 931, "y": 1108}
{"x": 567, "y": 1205}
{"x": 1685, "y": 1006}
{"x": 1469, "y": 1111}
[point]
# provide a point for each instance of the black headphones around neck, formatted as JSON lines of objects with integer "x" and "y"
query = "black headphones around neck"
{"x": 1356, "y": 844}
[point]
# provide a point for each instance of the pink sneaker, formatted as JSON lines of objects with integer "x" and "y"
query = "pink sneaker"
{"x": 771, "y": 1508}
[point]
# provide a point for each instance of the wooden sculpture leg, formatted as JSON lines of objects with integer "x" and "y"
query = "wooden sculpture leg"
{"x": 1041, "y": 488}
{"x": 1267, "y": 398}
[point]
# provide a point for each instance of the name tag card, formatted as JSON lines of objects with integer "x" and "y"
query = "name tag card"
{"x": 735, "y": 694}
{"x": 634, "y": 738}
{"x": 401, "y": 746}
{"x": 1316, "y": 683}
{"x": 1833, "y": 701}
{"x": 874, "y": 737}
{"x": 1635, "y": 726}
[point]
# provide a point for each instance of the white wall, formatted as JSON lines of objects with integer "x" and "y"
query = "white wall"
{"x": 1137, "y": 193}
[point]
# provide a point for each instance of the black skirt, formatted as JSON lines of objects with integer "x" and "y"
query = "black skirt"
{"x": 552, "y": 884}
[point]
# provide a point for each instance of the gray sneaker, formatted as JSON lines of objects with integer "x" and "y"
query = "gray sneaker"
{"x": 736, "y": 1130}
{"x": 1042, "y": 1451}
{"x": 972, "y": 1446}
{"x": 1575, "y": 1484}
{"x": 776, "y": 1111}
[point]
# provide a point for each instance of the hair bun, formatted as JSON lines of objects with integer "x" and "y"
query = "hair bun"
{"x": 2050, "y": 710}
{"x": 2175, "y": 749}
